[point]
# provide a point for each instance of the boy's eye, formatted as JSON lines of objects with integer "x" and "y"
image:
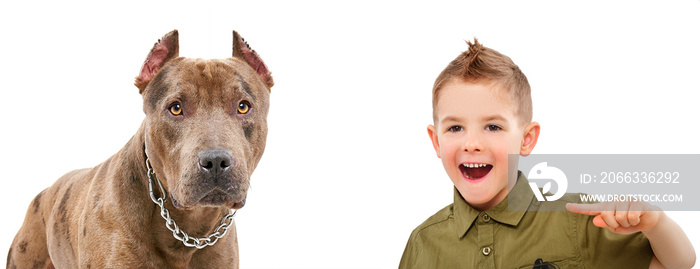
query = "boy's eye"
{"x": 492, "y": 127}
{"x": 455, "y": 129}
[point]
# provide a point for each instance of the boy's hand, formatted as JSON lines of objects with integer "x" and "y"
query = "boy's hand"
{"x": 620, "y": 217}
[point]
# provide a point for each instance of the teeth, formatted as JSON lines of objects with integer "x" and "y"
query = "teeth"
{"x": 474, "y": 165}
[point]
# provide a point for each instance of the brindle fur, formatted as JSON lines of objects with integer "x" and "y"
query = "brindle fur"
{"x": 102, "y": 217}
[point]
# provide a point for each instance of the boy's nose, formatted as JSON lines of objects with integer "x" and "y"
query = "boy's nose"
{"x": 473, "y": 144}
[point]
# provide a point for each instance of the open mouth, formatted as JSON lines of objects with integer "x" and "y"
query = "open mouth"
{"x": 475, "y": 170}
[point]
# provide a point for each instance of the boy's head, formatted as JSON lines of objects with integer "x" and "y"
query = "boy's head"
{"x": 482, "y": 65}
{"x": 482, "y": 111}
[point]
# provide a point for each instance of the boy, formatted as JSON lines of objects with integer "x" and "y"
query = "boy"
{"x": 482, "y": 112}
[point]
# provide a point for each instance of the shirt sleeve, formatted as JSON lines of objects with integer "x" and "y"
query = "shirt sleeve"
{"x": 407, "y": 259}
{"x": 601, "y": 248}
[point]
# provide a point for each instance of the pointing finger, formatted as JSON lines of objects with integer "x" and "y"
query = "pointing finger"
{"x": 586, "y": 209}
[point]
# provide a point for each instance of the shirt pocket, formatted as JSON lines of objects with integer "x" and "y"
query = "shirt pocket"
{"x": 560, "y": 264}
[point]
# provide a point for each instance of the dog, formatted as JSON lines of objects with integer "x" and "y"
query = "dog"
{"x": 186, "y": 170}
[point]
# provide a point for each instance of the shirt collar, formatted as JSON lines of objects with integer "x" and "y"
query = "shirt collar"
{"x": 520, "y": 196}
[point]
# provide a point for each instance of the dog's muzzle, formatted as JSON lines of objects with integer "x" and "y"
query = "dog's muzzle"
{"x": 181, "y": 235}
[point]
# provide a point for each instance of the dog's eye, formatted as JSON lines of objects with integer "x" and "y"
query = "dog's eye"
{"x": 176, "y": 109}
{"x": 243, "y": 107}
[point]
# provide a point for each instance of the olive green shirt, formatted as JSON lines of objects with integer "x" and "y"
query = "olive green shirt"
{"x": 459, "y": 236}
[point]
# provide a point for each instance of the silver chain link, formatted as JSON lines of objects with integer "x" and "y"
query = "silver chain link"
{"x": 181, "y": 235}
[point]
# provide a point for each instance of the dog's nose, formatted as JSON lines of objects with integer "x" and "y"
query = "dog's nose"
{"x": 215, "y": 161}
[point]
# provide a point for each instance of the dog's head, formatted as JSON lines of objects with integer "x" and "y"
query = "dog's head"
{"x": 206, "y": 121}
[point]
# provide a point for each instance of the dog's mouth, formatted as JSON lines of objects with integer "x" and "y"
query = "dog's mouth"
{"x": 475, "y": 170}
{"x": 215, "y": 198}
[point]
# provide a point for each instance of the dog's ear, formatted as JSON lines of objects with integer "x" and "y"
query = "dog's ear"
{"x": 165, "y": 49}
{"x": 242, "y": 50}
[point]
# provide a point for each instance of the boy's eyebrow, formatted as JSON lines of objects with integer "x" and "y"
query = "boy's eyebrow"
{"x": 494, "y": 117}
{"x": 449, "y": 118}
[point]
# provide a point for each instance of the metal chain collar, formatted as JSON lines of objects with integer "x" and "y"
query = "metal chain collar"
{"x": 181, "y": 235}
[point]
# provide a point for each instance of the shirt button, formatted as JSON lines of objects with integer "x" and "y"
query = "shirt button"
{"x": 486, "y": 251}
{"x": 487, "y": 218}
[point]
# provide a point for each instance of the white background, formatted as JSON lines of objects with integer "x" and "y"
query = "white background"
{"x": 349, "y": 170}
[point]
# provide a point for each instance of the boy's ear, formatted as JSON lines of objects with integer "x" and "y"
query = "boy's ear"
{"x": 434, "y": 138}
{"x": 532, "y": 132}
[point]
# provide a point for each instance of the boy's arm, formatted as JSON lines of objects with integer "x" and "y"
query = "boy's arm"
{"x": 672, "y": 248}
